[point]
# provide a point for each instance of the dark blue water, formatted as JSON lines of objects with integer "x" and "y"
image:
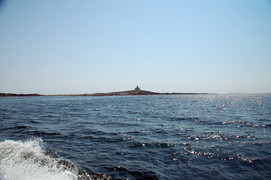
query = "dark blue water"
{"x": 138, "y": 137}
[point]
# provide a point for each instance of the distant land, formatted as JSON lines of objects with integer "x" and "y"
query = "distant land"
{"x": 12, "y": 94}
{"x": 120, "y": 93}
{"x": 139, "y": 92}
{"x": 136, "y": 91}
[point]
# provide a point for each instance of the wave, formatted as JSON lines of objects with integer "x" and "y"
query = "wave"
{"x": 27, "y": 160}
{"x": 137, "y": 174}
{"x": 16, "y": 127}
{"x": 246, "y": 123}
{"x": 184, "y": 118}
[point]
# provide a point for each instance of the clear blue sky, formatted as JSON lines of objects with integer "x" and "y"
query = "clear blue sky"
{"x": 87, "y": 46}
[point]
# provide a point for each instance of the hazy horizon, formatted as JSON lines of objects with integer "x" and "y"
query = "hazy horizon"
{"x": 76, "y": 47}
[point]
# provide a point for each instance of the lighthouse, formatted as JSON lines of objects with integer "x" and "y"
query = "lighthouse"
{"x": 137, "y": 88}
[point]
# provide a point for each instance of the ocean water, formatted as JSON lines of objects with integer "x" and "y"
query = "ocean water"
{"x": 136, "y": 137}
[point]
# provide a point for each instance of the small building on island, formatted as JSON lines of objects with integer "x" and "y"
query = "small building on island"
{"x": 137, "y": 88}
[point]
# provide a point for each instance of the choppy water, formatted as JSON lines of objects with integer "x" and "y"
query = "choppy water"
{"x": 136, "y": 137}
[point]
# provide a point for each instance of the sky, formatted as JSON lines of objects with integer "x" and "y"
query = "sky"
{"x": 89, "y": 46}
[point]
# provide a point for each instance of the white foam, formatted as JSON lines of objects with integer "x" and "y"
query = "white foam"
{"x": 27, "y": 160}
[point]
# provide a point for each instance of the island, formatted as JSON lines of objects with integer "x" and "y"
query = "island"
{"x": 137, "y": 91}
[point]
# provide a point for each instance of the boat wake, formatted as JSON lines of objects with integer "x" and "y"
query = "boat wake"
{"x": 27, "y": 160}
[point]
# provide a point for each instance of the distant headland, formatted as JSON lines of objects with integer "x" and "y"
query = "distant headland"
{"x": 12, "y": 94}
{"x": 136, "y": 91}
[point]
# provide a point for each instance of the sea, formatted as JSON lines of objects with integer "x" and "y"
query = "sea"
{"x": 211, "y": 136}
